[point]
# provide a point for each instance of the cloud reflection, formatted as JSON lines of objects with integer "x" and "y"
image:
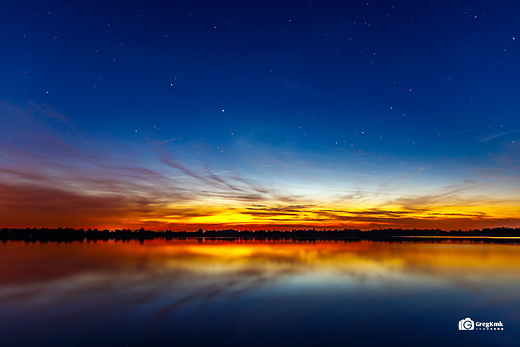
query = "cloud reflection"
{"x": 168, "y": 275}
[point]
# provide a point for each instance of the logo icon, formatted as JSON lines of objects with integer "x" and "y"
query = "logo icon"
{"x": 466, "y": 324}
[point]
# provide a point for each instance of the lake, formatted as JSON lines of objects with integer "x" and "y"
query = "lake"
{"x": 198, "y": 292}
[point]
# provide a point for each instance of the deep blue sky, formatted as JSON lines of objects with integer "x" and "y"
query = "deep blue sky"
{"x": 198, "y": 88}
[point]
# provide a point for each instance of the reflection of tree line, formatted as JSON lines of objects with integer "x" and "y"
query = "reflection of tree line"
{"x": 70, "y": 234}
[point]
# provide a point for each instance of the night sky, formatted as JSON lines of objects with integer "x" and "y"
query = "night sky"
{"x": 260, "y": 114}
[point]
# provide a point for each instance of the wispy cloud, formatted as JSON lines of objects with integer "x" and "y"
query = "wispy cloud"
{"x": 169, "y": 140}
{"x": 492, "y": 137}
{"x": 48, "y": 178}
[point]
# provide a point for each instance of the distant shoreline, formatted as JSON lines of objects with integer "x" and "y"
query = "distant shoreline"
{"x": 492, "y": 235}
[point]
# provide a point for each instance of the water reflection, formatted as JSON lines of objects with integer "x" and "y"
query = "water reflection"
{"x": 256, "y": 293}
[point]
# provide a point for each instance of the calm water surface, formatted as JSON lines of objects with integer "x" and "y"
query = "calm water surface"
{"x": 254, "y": 293}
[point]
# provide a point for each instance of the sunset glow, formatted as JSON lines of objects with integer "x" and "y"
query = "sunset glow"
{"x": 185, "y": 116}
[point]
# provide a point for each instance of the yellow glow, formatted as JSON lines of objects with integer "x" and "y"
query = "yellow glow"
{"x": 350, "y": 263}
{"x": 334, "y": 216}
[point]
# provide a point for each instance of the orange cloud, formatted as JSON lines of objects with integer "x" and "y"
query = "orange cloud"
{"x": 48, "y": 179}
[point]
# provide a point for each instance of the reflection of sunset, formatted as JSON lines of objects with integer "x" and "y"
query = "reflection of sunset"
{"x": 342, "y": 261}
{"x": 247, "y": 283}
{"x": 276, "y": 135}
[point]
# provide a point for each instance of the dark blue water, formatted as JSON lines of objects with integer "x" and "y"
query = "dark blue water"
{"x": 222, "y": 293}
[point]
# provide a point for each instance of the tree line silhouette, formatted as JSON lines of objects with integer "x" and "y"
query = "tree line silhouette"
{"x": 71, "y": 234}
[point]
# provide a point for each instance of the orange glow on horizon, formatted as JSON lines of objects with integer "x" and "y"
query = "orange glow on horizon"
{"x": 38, "y": 207}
